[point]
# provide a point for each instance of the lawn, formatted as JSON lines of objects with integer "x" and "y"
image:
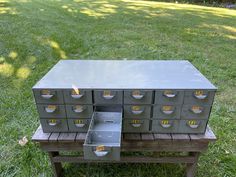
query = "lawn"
{"x": 35, "y": 34}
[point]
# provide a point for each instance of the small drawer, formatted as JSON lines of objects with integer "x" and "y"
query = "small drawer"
{"x": 78, "y": 125}
{"x": 102, "y": 145}
{"x": 79, "y": 111}
{"x": 48, "y": 96}
{"x": 108, "y": 97}
{"x": 135, "y": 125}
{"x": 195, "y": 112}
{"x": 166, "y": 112}
{"x": 169, "y": 97}
{"x": 137, "y": 111}
{"x": 77, "y": 96}
{"x": 165, "y": 126}
{"x": 48, "y": 111}
{"x": 54, "y": 125}
{"x": 201, "y": 97}
{"x": 192, "y": 126}
{"x": 138, "y": 97}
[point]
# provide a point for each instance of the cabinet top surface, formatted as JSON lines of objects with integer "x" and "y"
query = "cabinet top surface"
{"x": 124, "y": 74}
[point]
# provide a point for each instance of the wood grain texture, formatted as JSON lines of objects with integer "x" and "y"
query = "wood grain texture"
{"x": 208, "y": 136}
{"x": 147, "y": 136}
{"x": 67, "y": 137}
{"x": 40, "y": 136}
{"x": 80, "y": 136}
{"x": 54, "y": 137}
{"x": 132, "y": 136}
{"x": 180, "y": 137}
{"x": 133, "y": 159}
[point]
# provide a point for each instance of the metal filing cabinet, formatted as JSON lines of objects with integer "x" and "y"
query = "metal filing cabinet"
{"x": 150, "y": 92}
{"x": 104, "y": 135}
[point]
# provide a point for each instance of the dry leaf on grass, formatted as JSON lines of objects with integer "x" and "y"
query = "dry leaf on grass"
{"x": 23, "y": 141}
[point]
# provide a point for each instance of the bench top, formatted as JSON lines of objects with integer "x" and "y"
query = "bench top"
{"x": 40, "y": 136}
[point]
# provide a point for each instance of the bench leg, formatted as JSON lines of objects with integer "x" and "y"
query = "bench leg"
{"x": 191, "y": 167}
{"x": 56, "y": 166}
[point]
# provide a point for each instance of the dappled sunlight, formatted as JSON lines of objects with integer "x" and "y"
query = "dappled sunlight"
{"x": 6, "y": 69}
{"x": 222, "y": 30}
{"x": 13, "y": 55}
{"x": 221, "y": 12}
{"x": 31, "y": 59}
{"x": 4, "y": 9}
{"x": 56, "y": 47}
{"x": 23, "y": 72}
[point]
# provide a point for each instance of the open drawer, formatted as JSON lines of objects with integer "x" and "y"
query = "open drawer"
{"x": 104, "y": 135}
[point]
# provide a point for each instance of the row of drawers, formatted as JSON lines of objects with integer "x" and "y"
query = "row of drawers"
{"x": 129, "y": 125}
{"x": 130, "y": 111}
{"x": 124, "y": 97}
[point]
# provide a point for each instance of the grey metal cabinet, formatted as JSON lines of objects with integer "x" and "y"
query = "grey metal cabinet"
{"x": 137, "y": 111}
{"x": 165, "y": 126}
{"x": 79, "y": 111}
{"x": 48, "y": 96}
{"x": 195, "y": 112}
{"x": 200, "y": 97}
{"x": 138, "y": 96}
{"x": 192, "y": 126}
{"x": 169, "y": 97}
{"x": 108, "y": 97}
{"x": 78, "y": 125}
{"x": 49, "y": 111}
{"x": 135, "y": 125}
{"x": 54, "y": 125}
{"x": 78, "y": 96}
{"x": 166, "y": 111}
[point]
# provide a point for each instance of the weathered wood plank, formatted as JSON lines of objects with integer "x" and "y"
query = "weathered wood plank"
{"x": 40, "y": 136}
{"x": 158, "y": 136}
{"x": 132, "y": 136}
{"x": 208, "y": 136}
{"x": 180, "y": 137}
{"x": 147, "y": 136}
{"x": 134, "y": 159}
{"x": 80, "y": 136}
{"x": 54, "y": 137}
{"x": 68, "y": 137}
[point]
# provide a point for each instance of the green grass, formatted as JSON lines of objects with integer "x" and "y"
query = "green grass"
{"x": 35, "y": 34}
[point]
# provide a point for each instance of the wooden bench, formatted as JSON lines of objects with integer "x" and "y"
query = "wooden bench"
{"x": 191, "y": 144}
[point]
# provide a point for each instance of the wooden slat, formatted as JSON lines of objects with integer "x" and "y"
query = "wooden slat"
{"x": 180, "y": 137}
{"x": 208, "y": 136}
{"x": 147, "y": 136}
{"x": 54, "y": 137}
{"x": 133, "y": 159}
{"x": 132, "y": 136}
{"x": 40, "y": 136}
{"x": 166, "y": 137}
{"x": 80, "y": 136}
{"x": 68, "y": 137}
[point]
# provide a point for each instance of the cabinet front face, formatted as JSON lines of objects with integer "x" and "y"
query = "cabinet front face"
{"x": 195, "y": 112}
{"x": 78, "y": 96}
{"x": 78, "y": 125}
{"x": 138, "y": 97}
{"x": 165, "y": 126}
{"x": 169, "y": 97}
{"x": 51, "y": 110}
{"x": 48, "y": 96}
{"x": 79, "y": 111}
{"x": 199, "y": 97}
{"x": 135, "y": 125}
{"x": 166, "y": 111}
{"x": 108, "y": 97}
{"x": 192, "y": 126}
{"x": 54, "y": 125}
